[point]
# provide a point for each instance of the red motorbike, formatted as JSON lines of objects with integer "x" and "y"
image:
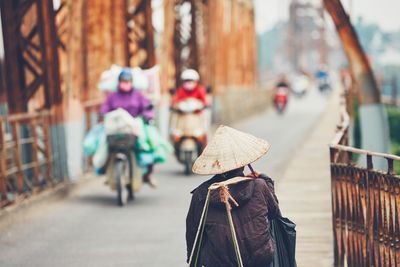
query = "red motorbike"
{"x": 281, "y": 99}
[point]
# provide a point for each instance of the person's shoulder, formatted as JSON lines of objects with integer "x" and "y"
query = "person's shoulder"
{"x": 201, "y": 87}
{"x": 259, "y": 183}
{"x": 178, "y": 92}
{"x": 137, "y": 93}
{"x": 179, "y": 89}
{"x": 200, "y": 192}
{"x": 140, "y": 94}
{"x": 263, "y": 180}
{"x": 202, "y": 187}
{"x": 112, "y": 96}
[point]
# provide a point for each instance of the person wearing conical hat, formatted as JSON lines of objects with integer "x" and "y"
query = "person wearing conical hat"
{"x": 225, "y": 157}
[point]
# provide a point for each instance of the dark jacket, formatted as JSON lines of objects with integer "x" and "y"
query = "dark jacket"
{"x": 257, "y": 202}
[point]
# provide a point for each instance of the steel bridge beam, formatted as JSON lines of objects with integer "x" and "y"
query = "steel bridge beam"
{"x": 30, "y": 53}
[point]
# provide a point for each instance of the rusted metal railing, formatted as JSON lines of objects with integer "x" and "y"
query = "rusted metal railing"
{"x": 26, "y": 163}
{"x": 365, "y": 205}
{"x": 390, "y": 101}
{"x": 91, "y": 109}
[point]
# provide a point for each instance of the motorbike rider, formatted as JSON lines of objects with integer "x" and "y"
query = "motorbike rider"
{"x": 135, "y": 103}
{"x": 281, "y": 91}
{"x": 190, "y": 88}
{"x": 322, "y": 76}
{"x": 322, "y": 73}
{"x": 282, "y": 84}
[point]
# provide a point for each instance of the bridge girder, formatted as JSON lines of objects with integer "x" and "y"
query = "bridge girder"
{"x": 31, "y": 57}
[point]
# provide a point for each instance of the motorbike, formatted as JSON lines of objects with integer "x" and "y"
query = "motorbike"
{"x": 324, "y": 85}
{"x": 281, "y": 99}
{"x": 300, "y": 85}
{"x": 124, "y": 174}
{"x": 121, "y": 166}
{"x": 188, "y": 131}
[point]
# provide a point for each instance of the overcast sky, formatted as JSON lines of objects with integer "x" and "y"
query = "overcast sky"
{"x": 386, "y": 13}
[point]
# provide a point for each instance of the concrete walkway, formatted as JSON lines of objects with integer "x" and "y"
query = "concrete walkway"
{"x": 305, "y": 195}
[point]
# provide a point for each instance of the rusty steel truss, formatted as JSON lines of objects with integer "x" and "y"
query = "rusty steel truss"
{"x": 365, "y": 206}
{"x": 190, "y": 36}
{"x": 31, "y": 59}
{"x": 140, "y": 34}
{"x": 37, "y": 37}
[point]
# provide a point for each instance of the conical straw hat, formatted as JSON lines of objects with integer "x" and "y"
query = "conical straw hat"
{"x": 229, "y": 149}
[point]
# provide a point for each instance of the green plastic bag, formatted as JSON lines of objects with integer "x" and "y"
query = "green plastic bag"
{"x": 145, "y": 159}
{"x": 153, "y": 143}
{"x": 92, "y": 139}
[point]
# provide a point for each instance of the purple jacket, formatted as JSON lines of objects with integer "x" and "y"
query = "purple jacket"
{"x": 134, "y": 102}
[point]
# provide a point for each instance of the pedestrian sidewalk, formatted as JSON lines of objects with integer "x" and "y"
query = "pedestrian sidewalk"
{"x": 304, "y": 191}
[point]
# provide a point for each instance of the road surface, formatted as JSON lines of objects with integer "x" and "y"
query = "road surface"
{"x": 88, "y": 229}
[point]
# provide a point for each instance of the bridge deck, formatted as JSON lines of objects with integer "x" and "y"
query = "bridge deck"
{"x": 305, "y": 195}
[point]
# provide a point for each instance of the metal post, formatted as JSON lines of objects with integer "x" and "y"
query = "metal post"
{"x": 23, "y": 56}
{"x": 373, "y": 117}
{"x": 14, "y": 78}
{"x": 394, "y": 90}
{"x": 140, "y": 34}
{"x": 49, "y": 52}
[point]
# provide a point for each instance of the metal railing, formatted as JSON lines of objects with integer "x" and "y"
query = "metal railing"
{"x": 91, "y": 109}
{"x": 26, "y": 163}
{"x": 390, "y": 100}
{"x": 365, "y": 205}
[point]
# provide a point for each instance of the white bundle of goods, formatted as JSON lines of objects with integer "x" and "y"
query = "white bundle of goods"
{"x": 153, "y": 91}
{"x": 140, "y": 81}
{"x": 120, "y": 121}
{"x": 109, "y": 79}
{"x": 145, "y": 80}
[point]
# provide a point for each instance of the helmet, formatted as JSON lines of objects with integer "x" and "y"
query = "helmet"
{"x": 190, "y": 75}
{"x": 125, "y": 75}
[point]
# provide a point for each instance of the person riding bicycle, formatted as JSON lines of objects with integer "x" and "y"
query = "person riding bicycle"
{"x": 135, "y": 103}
